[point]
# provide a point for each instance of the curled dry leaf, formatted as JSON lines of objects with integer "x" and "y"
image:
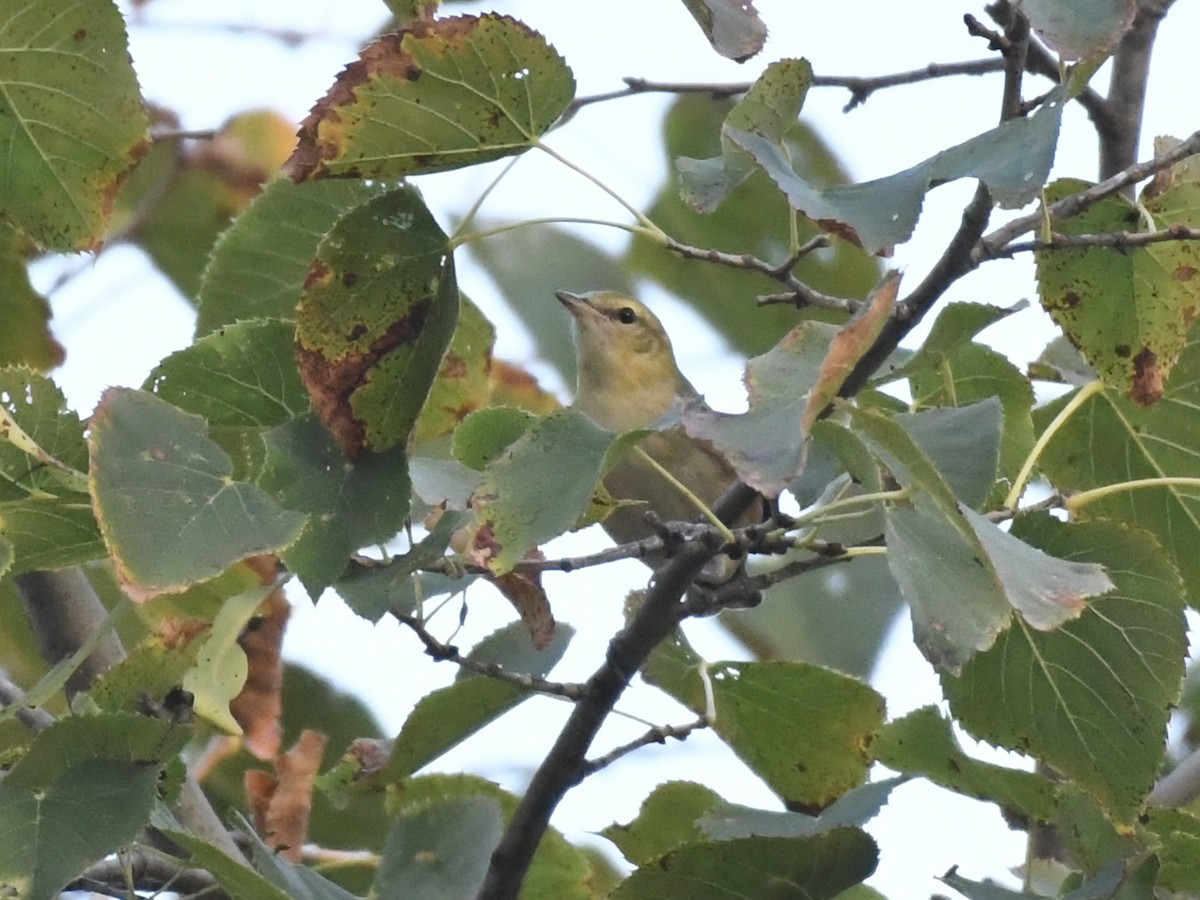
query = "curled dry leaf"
{"x": 280, "y": 804}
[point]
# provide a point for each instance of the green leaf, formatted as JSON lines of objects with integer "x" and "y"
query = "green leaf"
{"x": 39, "y": 409}
{"x": 150, "y": 671}
{"x": 1091, "y": 698}
{"x": 439, "y": 851}
{"x": 48, "y": 532}
{"x": 558, "y": 869}
{"x": 784, "y": 868}
{"x": 667, "y": 819}
{"x": 922, "y": 743}
{"x": 236, "y": 878}
{"x": 243, "y": 376}
{"x": 769, "y": 108}
{"x": 168, "y": 508}
{"x": 372, "y": 592}
{"x": 221, "y": 665}
{"x": 183, "y": 194}
{"x": 26, "y": 338}
{"x": 438, "y": 95}
{"x": 376, "y": 314}
{"x": 462, "y": 384}
{"x": 74, "y": 118}
{"x": 85, "y": 786}
{"x": 350, "y": 504}
{"x": 538, "y": 488}
{"x": 447, "y": 716}
{"x": 487, "y": 433}
{"x": 963, "y": 443}
{"x": 1080, "y": 29}
{"x": 730, "y": 821}
{"x": 1128, "y": 311}
{"x": 299, "y": 882}
{"x": 259, "y": 264}
{"x": 820, "y": 721}
{"x": 1177, "y": 833}
{"x": 960, "y": 573}
{"x": 1111, "y": 441}
{"x": 754, "y": 219}
{"x": 1013, "y": 160}
{"x": 54, "y": 832}
{"x": 731, "y": 26}
{"x": 766, "y": 445}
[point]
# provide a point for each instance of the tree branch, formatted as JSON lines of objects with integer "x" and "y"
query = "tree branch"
{"x": 1119, "y": 240}
{"x": 993, "y": 244}
{"x": 566, "y": 764}
{"x": 449, "y": 653}
{"x": 656, "y": 735}
{"x": 33, "y": 718}
{"x": 1121, "y": 131}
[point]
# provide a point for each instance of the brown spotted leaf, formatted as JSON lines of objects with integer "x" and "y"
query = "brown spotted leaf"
{"x": 1127, "y": 310}
{"x": 374, "y": 318}
{"x": 440, "y": 94}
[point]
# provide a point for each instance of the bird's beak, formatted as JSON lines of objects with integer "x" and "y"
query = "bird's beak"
{"x": 577, "y": 304}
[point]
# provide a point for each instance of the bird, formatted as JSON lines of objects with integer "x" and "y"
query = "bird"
{"x": 628, "y": 378}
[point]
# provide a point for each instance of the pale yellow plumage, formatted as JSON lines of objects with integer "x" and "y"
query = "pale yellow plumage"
{"x": 627, "y": 379}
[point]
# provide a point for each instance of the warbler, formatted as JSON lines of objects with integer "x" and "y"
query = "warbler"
{"x": 627, "y": 378}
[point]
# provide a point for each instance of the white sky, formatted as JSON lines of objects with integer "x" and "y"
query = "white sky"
{"x": 189, "y": 61}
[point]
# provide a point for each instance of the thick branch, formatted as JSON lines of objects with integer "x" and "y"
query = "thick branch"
{"x": 65, "y": 612}
{"x": 566, "y": 763}
{"x": 1120, "y": 132}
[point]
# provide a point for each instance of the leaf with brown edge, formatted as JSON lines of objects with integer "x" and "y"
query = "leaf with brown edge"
{"x": 280, "y": 804}
{"x": 438, "y": 95}
{"x": 848, "y": 346}
{"x": 375, "y": 316}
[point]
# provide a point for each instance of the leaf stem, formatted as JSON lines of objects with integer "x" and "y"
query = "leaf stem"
{"x": 721, "y": 527}
{"x": 459, "y": 239}
{"x": 1018, "y": 488}
{"x": 1076, "y": 502}
{"x": 469, "y": 218}
{"x": 642, "y": 219}
{"x": 820, "y": 513}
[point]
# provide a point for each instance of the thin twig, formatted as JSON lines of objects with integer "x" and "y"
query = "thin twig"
{"x": 449, "y": 653}
{"x": 656, "y": 735}
{"x": 993, "y": 244}
{"x": 1119, "y": 240}
{"x": 860, "y": 87}
{"x": 800, "y": 292}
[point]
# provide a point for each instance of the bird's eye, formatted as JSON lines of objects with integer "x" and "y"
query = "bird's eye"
{"x": 626, "y": 315}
